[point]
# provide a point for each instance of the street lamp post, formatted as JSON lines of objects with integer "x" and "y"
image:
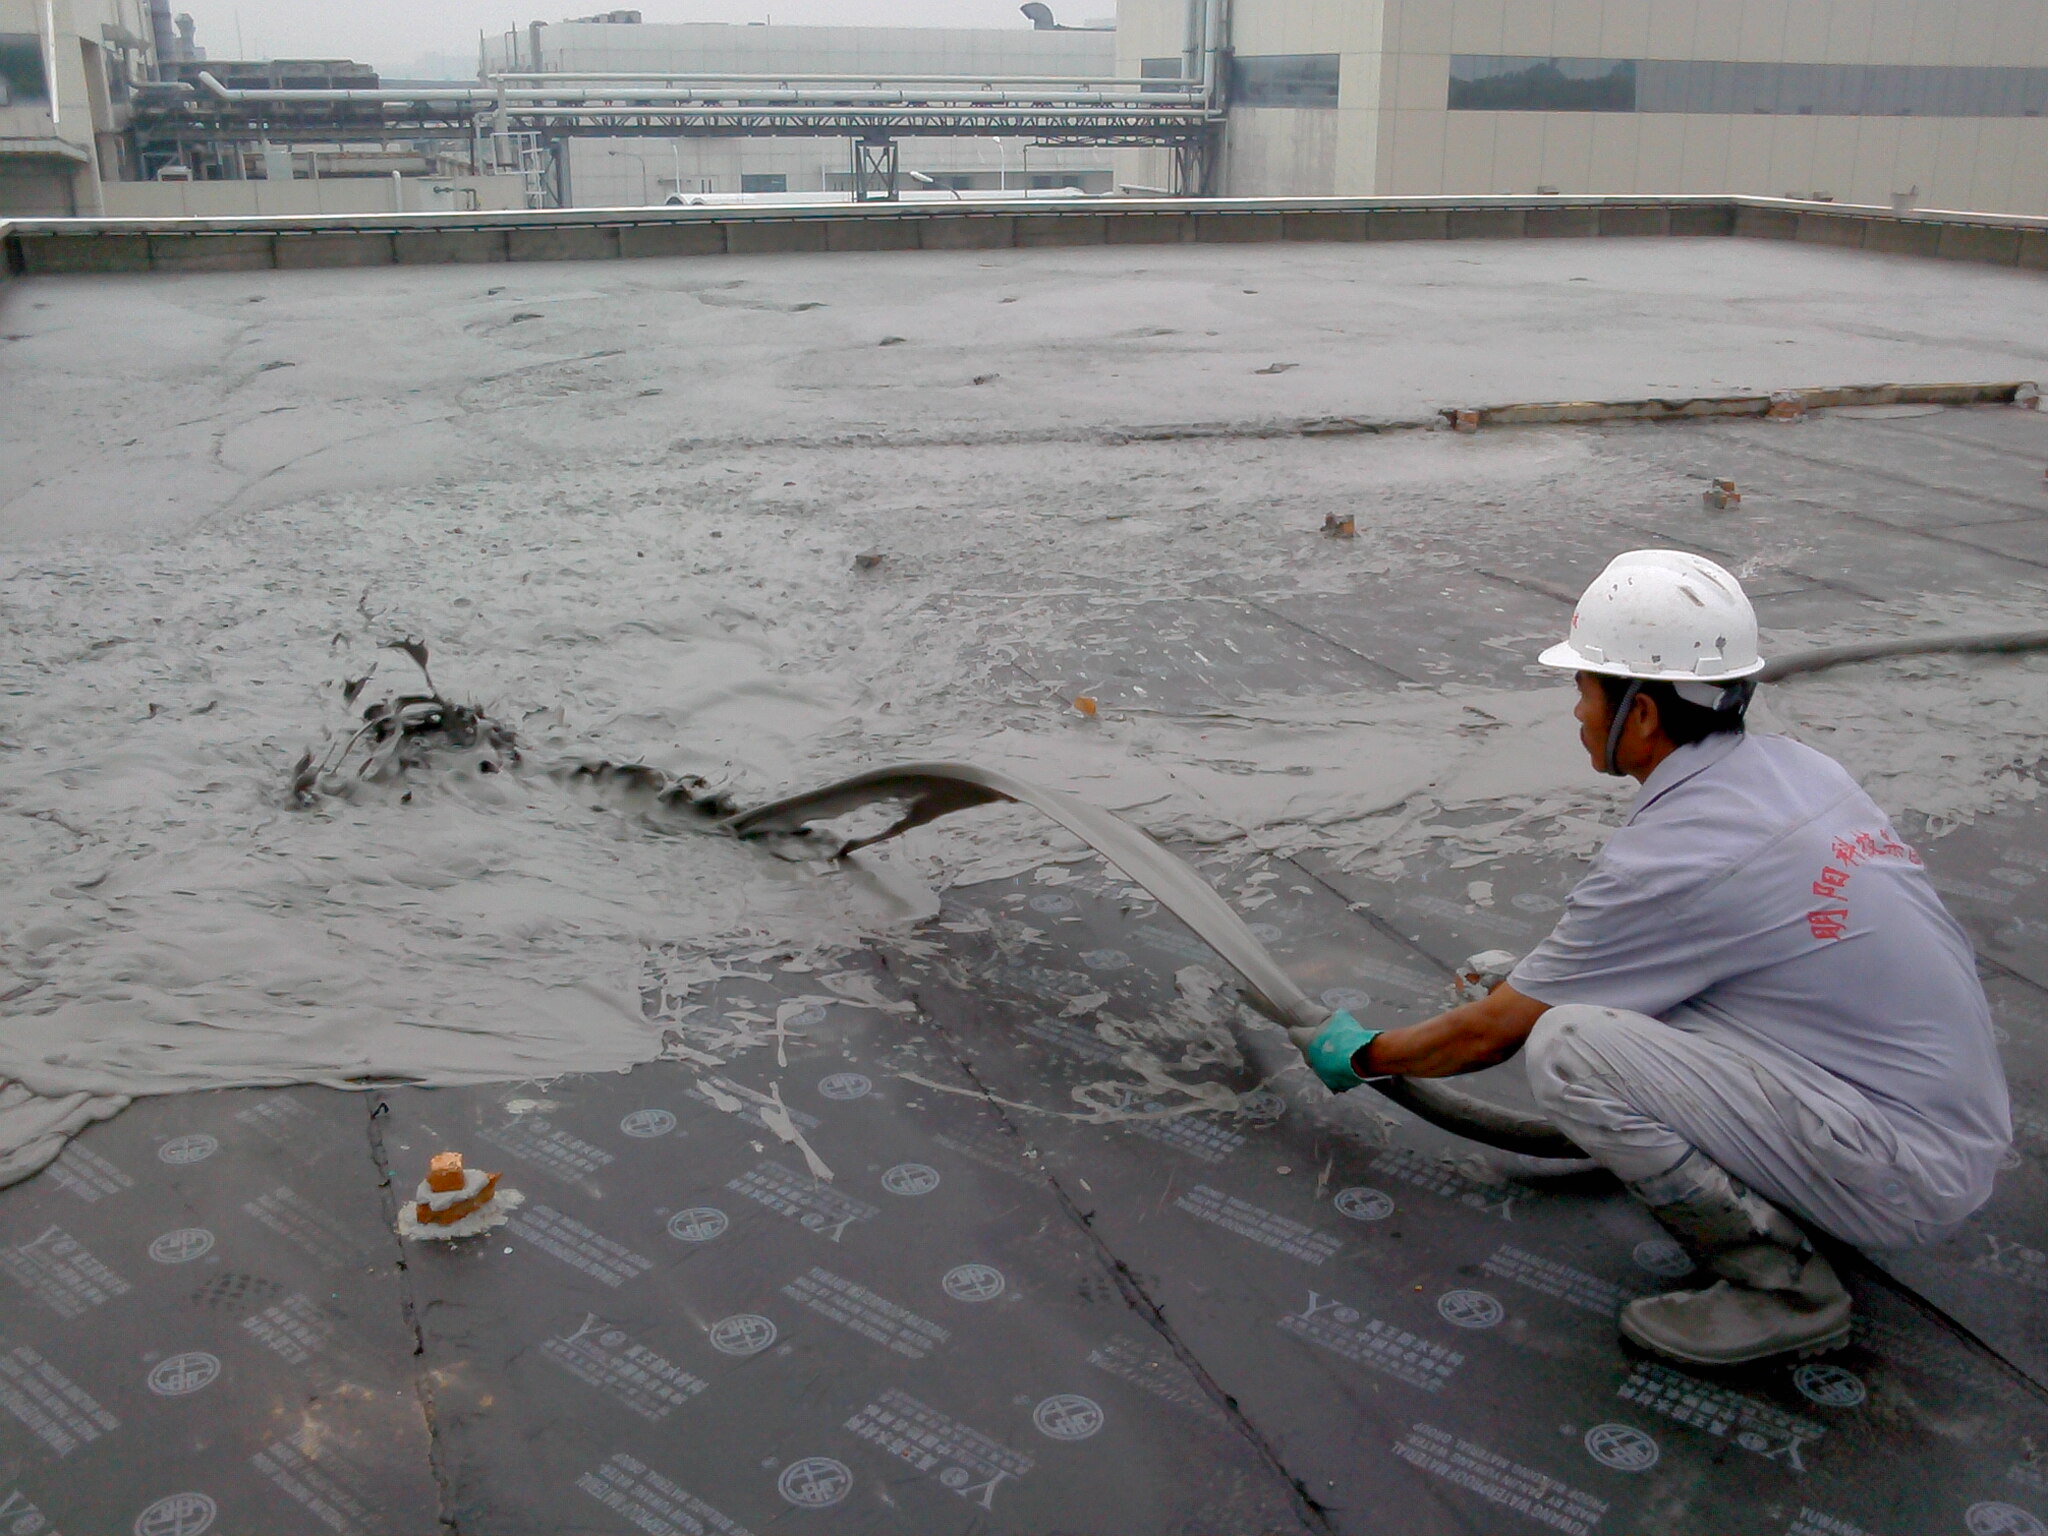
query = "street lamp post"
{"x": 641, "y": 160}
{"x": 924, "y": 180}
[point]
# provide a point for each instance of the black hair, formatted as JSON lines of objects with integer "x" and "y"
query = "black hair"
{"x": 1682, "y": 720}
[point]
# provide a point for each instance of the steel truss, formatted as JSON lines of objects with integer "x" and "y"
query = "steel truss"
{"x": 1190, "y": 134}
{"x": 874, "y": 170}
{"x": 206, "y": 121}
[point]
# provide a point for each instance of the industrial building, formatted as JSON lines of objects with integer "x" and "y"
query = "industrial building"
{"x": 1930, "y": 103}
{"x": 611, "y": 173}
{"x": 69, "y": 70}
{"x": 83, "y": 88}
{"x": 111, "y": 106}
{"x": 1907, "y": 103}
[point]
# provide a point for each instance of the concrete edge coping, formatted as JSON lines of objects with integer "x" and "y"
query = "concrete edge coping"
{"x": 287, "y": 242}
{"x": 792, "y": 213}
{"x": 789, "y": 213}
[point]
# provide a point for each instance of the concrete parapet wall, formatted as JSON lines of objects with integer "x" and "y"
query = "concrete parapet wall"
{"x": 333, "y": 249}
{"x": 1408, "y": 224}
{"x": 73, "y": 246}
{"x": 343, "y": 195}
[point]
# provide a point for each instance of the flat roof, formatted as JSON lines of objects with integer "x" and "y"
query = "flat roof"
{"x": 929, "y": 1194}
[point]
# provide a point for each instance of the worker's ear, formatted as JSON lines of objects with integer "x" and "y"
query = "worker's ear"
{"x": 1645, "y": 721}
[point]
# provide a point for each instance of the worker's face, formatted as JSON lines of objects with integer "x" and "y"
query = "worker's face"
{"x": 1594, "y": 716}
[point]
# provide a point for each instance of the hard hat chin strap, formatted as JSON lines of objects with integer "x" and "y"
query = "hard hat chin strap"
{"x": 1617, "y": 723}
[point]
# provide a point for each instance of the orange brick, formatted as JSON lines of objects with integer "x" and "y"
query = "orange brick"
{"x": 444, "y": 1172}
{"x": 461, "y": 1208}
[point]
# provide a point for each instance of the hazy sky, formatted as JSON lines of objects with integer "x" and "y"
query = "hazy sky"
{"x": 393, "y": 33}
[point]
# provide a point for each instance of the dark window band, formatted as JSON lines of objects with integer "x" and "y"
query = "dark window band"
{"x": 1495, "y": 83}
{"x": 1484, "y": 83}
{"x": 1160, "y": 69}
{"x": 1284, "y": 80}
{"x": 21, "y": 70}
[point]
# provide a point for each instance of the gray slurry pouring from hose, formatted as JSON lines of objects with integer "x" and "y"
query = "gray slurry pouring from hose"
{"x": 1664, "y": 646}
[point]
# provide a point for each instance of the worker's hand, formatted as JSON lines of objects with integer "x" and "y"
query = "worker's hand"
{"x": 1334, "y": 1049}
{"x": 1480, "y": 974}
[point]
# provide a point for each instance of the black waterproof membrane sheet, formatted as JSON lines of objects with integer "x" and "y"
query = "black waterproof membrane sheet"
{"x": 932, "y": 1255}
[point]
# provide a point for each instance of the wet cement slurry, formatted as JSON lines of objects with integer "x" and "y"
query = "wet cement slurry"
{"x": 1039, "y": 1293}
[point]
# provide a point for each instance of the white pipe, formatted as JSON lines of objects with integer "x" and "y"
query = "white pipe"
{"x": 627, "y": 100}
{"x": 454, "y": 93}
{"x": 1213, "y": 25}
{"x": 827, "y": 114}
{"x": 878, "y": 78}
{"x": 734, "y": 100}
{"x": 50, "y": 65}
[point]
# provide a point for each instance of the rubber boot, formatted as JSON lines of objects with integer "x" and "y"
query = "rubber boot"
{"x": 1775, "y": 1295}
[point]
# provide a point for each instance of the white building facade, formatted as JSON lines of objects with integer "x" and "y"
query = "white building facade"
{"x": 640, "y": 171}
{"x": 68, "y": 71}
{"x": 1933, "y": 103}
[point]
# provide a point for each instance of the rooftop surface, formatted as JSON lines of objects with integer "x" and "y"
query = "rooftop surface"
{"x": 928, "y": 1195}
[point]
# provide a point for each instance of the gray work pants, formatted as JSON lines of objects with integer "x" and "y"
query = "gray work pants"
{"x": 1639, "y": 1093}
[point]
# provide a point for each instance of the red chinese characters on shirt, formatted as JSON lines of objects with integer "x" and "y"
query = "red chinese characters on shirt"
{"x": 1831, "y": 885}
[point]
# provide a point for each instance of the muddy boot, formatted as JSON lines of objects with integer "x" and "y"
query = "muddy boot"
{"x": 1775, "y": 1295}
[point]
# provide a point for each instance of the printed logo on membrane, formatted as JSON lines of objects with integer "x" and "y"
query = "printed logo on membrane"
{"x": 1068, "y": 1416}
{"x": 188, "y": 1149}
{"x": 815, "y": 1482}
{"x": 182, "y": 1246}
{"x": 973, "y": 1282}
{"x": 699, "y": 1224}
{"x": 1621, "y": 1447}
{"x": 182, "y": 1375}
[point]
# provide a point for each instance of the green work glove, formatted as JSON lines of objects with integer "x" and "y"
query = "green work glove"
{"x": 1341, "y": 1038}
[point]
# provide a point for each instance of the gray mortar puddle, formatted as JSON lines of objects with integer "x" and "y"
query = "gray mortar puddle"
{"x": 1072, "y": 1269}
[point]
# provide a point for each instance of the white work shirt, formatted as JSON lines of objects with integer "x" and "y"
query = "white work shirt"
{"x": 1755, "y": 888}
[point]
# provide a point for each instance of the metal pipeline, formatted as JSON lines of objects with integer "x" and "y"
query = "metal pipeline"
{"x": 826, "y": 101}
{"x": 1147, "y": 82}
{"x": 451, "y": 93}
{"x": 1139, "y": 117}
{"x": 585, "y": 97}
{"x": 1215, "y": 43}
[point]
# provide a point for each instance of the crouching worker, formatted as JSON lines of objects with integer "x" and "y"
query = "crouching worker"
{"x": 1755, "y": 1010}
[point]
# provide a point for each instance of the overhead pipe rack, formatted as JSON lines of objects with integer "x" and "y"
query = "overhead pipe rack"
{"x": 1180, "y": 113}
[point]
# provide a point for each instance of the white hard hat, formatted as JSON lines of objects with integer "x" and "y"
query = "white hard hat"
{"x": 1662, "y": 615}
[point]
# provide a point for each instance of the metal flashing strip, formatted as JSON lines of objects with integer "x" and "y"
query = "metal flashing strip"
{"x": 1788, "y": 402}
{"x": 1785, "y": 403}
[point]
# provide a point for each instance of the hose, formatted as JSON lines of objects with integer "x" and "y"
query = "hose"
{"x": 931, "y": 790}
{"x": 1802, "y": 662}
